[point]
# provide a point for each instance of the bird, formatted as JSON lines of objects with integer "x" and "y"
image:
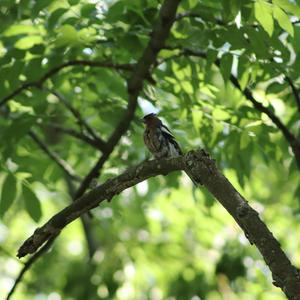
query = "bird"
{"x": 159, "y": 139}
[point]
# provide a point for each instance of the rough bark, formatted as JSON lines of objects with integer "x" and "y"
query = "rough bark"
{"x": 204, "y": 170}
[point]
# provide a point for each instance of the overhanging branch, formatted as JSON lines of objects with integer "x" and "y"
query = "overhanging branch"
{"x": 202, "y": 167}
{"x": 67, "y": 169}
{"x": 289, "y": 136}
{"x": 38, "y": 83}
{"x": 140, "y": 73}
{"x": 101, "y": 146}
{"x": 81, "y": 122}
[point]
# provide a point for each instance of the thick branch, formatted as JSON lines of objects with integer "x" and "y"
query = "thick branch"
{"x": 140, "y": 73}
{"x": 202, "y": 167}
{"x": 142, "y": 70}
{"x": 67, "y": 169}
{"x": 55, "y": 70}
{"x": 92, "y": 199}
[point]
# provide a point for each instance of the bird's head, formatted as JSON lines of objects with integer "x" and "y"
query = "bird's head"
{"x": 151, "y": 120}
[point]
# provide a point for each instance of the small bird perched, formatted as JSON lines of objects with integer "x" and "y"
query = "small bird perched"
{"x": 159, "y": 139}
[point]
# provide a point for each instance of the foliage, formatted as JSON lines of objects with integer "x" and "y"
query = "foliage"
{"x": 160, "y": 239}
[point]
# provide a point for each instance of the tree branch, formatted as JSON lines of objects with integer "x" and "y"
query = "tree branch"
{"x": 295, "y": 91}
{"x": 28, "y": 264}
{"x": 82, "y": 123}
{"x": 92, "y": 244}
{"x": 78, "y": 135}
{"x": 142, "y": 69}
{"x": 38, "y": 83}
{"x": 67, "y": 169}
{"x": 290, "y": 138}
{"x": 135, "y": 83}
{"x": 202, "y": 167}
{"x": 190, "y": 14}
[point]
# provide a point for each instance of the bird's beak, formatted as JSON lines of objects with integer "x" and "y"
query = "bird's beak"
{"x": 142, "y": 120}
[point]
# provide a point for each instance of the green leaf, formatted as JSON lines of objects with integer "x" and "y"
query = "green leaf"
{"x": 197, "y": 116}
{"x": 53, "y": 19}
{"x": 73, "y": 2}
{"x": 289, "y": 7}
{"x": 38, "y": 6}
{"x": 28, "y": 42}
{"x": 17, "y": 29}
{"x": 33, "y": 69}
{"x": 220, "y": 114}
{"x": 87, "y": 10}
{"x": 67, "y": 35}
{"x": 245, "y": 140}
{"x": 32, "y": 203}
{"x": 87, "y": 35}
{"x": 8, "y": 194}
{"x": 263, "y": 14}
{"x": 283, "y": 20}
{"x": 225, "y": 66}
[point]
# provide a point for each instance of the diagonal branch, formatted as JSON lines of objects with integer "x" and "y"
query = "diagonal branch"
{"x": 38, "y": 83}
{"x": 80, "y": 136}
{"x": 141, "y": 71}
{"x": 78, "y": 117}
{"x": 202, "y": 167}
{"x": 289, "y": 136}
{"x": 28, "y": 264}
{"x": 295, "y": 91}
{"x": 67, "y": 169}
{"x": 135, "y": 83}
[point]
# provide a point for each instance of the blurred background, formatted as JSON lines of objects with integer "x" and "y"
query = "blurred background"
{"x": 162, "y": 239}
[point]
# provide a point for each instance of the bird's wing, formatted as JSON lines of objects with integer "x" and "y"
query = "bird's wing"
{"x": 170, "y": 137}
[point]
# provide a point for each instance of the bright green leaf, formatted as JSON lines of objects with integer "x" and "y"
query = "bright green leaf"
{"x": 17, "y": 29}
{"x": 28, "y": 42}
{"x": 288, "y": 6}
{"x": 263, "y": 14}
{"x": 220, "y": 114}
{"x": 67, "y": 35}
{"x": 197, "y": 116}
{"x": 283, "y": 20}
{"x": 87, "y": 35}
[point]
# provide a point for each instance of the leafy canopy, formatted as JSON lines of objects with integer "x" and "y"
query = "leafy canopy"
{"x": 154, "y": 240}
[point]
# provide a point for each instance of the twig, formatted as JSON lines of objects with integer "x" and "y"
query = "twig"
{"x": 67, "y": 169}
{"x": 38, "y": 83}
{"x": 78, "y": 135}
{"x": 295, "y": 91}
{"x": 28, "y": 264}
{"x": 190, "y": 14}
{"x": 86, "y": 223}
{"x": 202, "y": 167}
{"x": 78, "y": 116}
